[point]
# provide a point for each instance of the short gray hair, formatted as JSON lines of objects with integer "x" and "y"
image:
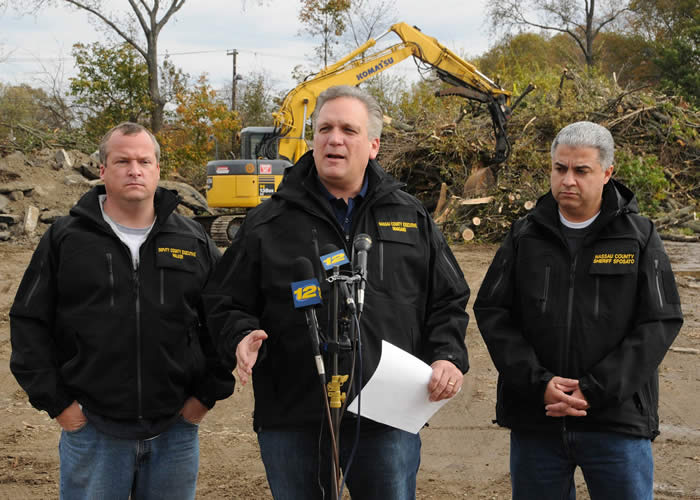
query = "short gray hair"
{"x": 374, "y": 111}
{"x": 127, "y": 128}
{"x": 588, "y": 134}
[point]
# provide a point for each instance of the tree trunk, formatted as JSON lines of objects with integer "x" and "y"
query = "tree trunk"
{"x": 589, "y": 35}
{"x": 153, "y": 87}
{"x": 442, "y": 200}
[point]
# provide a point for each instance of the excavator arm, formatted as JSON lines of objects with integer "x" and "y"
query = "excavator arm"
{"x": 357, "y": 67}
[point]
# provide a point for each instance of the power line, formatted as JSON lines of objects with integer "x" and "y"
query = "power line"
{"x": 166, "y": 54}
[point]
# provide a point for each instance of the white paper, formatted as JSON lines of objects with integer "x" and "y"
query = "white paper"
{"x": 397, "y": 394}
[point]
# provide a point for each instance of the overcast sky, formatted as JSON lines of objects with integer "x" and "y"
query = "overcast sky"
{"x": 200, "y": 34}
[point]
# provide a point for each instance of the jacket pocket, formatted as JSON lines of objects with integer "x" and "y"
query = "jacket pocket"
{"x": 612, "y": 278}
{"x": 449, "y": 267}
{"x": 664, "y": 281}
{"x": 545, "y": 291}
{"x": 596, "y": 299}
{"x": 110, "y": 278}
{"x": 539, "y": 286}
{"x": 196, "y": 355}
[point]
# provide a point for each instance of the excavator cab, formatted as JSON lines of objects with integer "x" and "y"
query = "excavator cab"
{"x": 246, "y": 183}
{"x": 239, "y": 185}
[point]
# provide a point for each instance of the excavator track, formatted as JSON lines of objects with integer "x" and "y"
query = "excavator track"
{"x": 224, "y": 228}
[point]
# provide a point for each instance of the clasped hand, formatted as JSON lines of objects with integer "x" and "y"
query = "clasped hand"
{"x": 563, "y": 397}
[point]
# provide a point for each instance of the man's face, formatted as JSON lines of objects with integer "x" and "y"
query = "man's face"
{"x": 131, "y": 172}
{"x": 342, "y": 147}
{"x": 577, "y": 181}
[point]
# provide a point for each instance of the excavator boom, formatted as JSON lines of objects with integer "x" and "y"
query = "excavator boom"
{"x": 357, "y": 67}
{"x": 267, "y": 151}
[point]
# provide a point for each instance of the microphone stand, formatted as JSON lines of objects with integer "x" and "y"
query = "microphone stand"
{"x": 334, "y": 386}
{"x": 338, "y": 400}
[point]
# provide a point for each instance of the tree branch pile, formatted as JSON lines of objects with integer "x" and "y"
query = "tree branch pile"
{"x": 657, "y": 155}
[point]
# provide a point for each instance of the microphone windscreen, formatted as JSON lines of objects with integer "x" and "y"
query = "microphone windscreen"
{"x": 362, "y": 242}
{"x": 328, "y": 248}
{"x": 303, "y": 270}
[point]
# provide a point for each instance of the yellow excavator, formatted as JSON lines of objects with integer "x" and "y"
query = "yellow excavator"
{"x": 266, "y": 151}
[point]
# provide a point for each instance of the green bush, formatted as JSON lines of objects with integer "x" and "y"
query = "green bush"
{"x": 644, "y": 176}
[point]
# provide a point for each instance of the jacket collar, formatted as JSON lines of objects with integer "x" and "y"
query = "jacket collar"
{"x": 301, "y": 180}
{"x": 88, "y": 207}
{"x": 617, "y": 199}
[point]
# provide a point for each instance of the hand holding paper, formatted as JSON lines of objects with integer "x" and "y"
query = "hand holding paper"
{"x": 397, "y": 394}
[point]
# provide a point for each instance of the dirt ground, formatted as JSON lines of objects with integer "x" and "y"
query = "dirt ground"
{"x": 464, "y": 454}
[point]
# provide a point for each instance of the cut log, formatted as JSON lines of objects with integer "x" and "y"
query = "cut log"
{"x": 393, "y": 122}
{"x": 442, "y": 200}
{"x": 686, "y": 350}
{"x": 477, "y": 201}
{"x": 480, "y": 181}
{"x": 440, "y": 219}
{"x": 467, "y": 234}
{"x": 529, "y": 205}
{"x": 476, "y": 221}
{"x": 679, "y": 237}
{"x": 692, "y": 224}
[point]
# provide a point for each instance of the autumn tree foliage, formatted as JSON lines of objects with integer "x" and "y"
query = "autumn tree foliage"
{"x": 189, "y": 139}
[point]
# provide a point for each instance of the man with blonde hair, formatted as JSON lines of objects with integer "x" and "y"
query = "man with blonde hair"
{"x": 108, "y": 334}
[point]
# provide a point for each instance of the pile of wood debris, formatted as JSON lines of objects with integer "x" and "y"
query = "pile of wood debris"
{"x": 446, "y": 167}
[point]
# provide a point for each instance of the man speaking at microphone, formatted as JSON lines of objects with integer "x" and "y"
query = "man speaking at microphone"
{"x": 415, "y": 299}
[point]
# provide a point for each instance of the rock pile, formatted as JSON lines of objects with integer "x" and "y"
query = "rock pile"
{"x": 37, "y": 188}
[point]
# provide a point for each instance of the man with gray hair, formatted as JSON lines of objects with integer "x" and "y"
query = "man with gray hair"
{"x": 415, "y": 299}
{"x": 577, "y": 310}
{"x": 109, "y": 336}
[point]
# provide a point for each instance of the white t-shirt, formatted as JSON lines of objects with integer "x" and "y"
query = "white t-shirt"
{"x": 577, "y": 225}
{"x": 132, "y": 237}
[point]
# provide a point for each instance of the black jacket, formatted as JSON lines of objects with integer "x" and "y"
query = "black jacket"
{"x": 606, "y": 316}
{"x": 415, "y": 298}
{"x": 124, "y": 343}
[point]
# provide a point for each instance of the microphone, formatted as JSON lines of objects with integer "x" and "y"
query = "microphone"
{"x": 306, "y": 293}
{"x": 361, "y": 245}
{"x": 331, "y": 256}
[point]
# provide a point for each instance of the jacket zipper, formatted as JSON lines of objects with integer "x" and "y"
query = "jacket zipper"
{"x": 162, "y": 286}
{"x": 449, "y": 265}
{"x": 381, "y": 260}
{"x": 596, "y": 304}
{"x": 569, "y": 317}
{"x": 111, "y": 279}
{"x": 658, "y": 287}
{"x": 34, "y": 287}
{"x": 139, "y": 385}
{"x": 545, "y": 293}
{"x": 567, "y": 339}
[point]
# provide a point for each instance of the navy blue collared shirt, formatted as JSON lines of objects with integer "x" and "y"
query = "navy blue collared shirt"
{"x": 344, "y": 211}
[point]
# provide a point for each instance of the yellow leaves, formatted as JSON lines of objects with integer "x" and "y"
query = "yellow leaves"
{"x": 201, "y": 120}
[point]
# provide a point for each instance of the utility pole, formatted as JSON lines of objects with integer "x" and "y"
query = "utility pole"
{"x": 233, "y": 53}
{"x": 235, "y": 77}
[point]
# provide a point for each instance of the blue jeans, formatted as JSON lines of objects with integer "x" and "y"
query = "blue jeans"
{"x": 98, "y": 466}
{"x": 384, "y": 467}
{"x": 615, "y": 466}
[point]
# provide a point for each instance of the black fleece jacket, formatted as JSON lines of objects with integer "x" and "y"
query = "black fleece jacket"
{"x": 415, "y": 299}
{"x": 605, "y": 316}
{"x": 124, "y": 343}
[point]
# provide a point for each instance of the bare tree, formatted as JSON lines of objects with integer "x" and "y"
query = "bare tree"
{"x": 144, "y": 15}
{"x": 324, "y": 19}
{"x": 369, "y": 18}
{"x": 582, "y": 20}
